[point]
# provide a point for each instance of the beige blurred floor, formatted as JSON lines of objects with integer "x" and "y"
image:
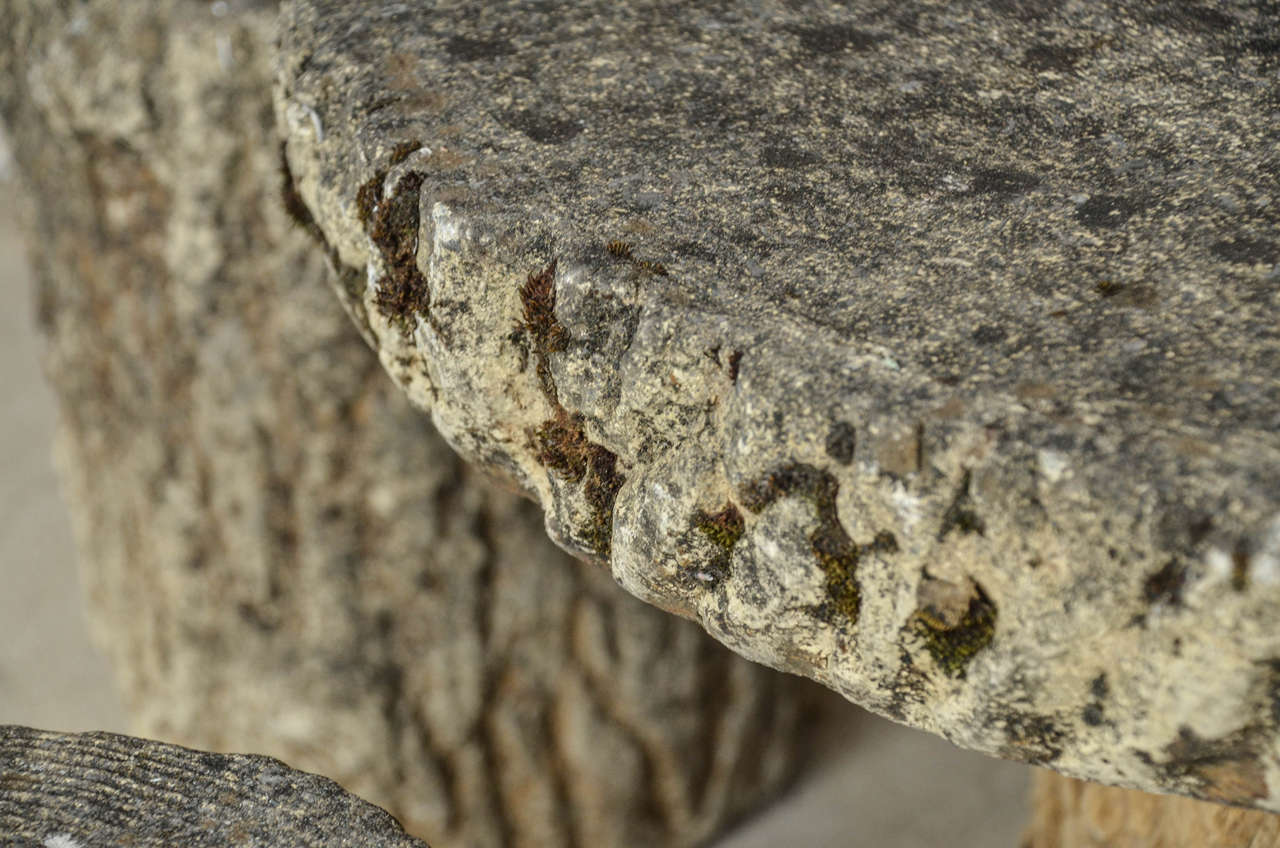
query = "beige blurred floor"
{"x": 876, "y": 783}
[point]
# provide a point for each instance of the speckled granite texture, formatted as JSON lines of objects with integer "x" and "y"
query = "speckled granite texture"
{"x": 67, "y": 790}
{"x": 927, "y": 351}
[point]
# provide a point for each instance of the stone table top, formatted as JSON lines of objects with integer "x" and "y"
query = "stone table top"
{"x": 929, "y": 351}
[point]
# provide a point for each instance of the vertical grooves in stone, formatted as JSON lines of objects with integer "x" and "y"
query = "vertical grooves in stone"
{"x": 665, "y": 785}
{"x": 560, "y": 769}
{"x": 485, "y": 601}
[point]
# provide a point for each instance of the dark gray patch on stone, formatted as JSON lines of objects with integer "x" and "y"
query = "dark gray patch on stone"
{"x": 989, "y": 334}
{"x": 1052, "y": 57}
{"x": 1104, "y": 211}
{"x": 1263, "y": 45}
{"x": 841, "y": 441}
{"x": 787, "y": 156}
{"x": 1189, "y": 17}
{"x": 545, "y": 129}
{"x": 467, "y": 49}
{"x": 834, "y": 38}
{"x": 1002, "y": 182}
{"x": 1165, "y": 586}
{"x": 1246, "y": 251}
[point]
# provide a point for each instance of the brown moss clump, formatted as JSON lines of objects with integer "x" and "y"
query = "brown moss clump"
{"x": 392, "y": 226}
{"x": 367, "y": 198}
{"x": 538, "y": 301}
{"x": 623, "y": 250}
{"x": 653, "y": 267}
{"x": 563, "y": 447}
{"x": 393, "y": 229}
{"x": 600, "y": 489}
{"x": 401, "y": 151}
{"x": 562, "y": 443}
{"x": 540, "y": 325}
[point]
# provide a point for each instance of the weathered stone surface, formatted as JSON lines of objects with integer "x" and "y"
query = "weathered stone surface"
{"x": 927, "y": 351}
{"x": 65, "y": 790}
{"x": 281, "y": 555}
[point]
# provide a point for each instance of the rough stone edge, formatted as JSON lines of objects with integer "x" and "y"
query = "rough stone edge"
{"x": 960, "y": 448}
{"x": 99, "y": 787}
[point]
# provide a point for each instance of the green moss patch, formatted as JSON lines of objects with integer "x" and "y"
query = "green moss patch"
{"x": 837, "y": 554}
{"x": 723, "y": 529}
{"x": 953, "y": 647}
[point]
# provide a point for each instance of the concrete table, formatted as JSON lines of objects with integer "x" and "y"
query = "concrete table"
{"x": 931, "y": 352}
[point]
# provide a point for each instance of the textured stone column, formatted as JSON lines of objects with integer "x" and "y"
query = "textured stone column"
{"x": 281, "y": 555}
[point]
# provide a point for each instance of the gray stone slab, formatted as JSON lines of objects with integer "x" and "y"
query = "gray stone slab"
{"x": 65, "y": 790}
{"x": 927, "y": 351}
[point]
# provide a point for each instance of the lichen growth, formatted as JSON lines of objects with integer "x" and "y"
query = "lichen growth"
{"x": 952, "y": 648}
